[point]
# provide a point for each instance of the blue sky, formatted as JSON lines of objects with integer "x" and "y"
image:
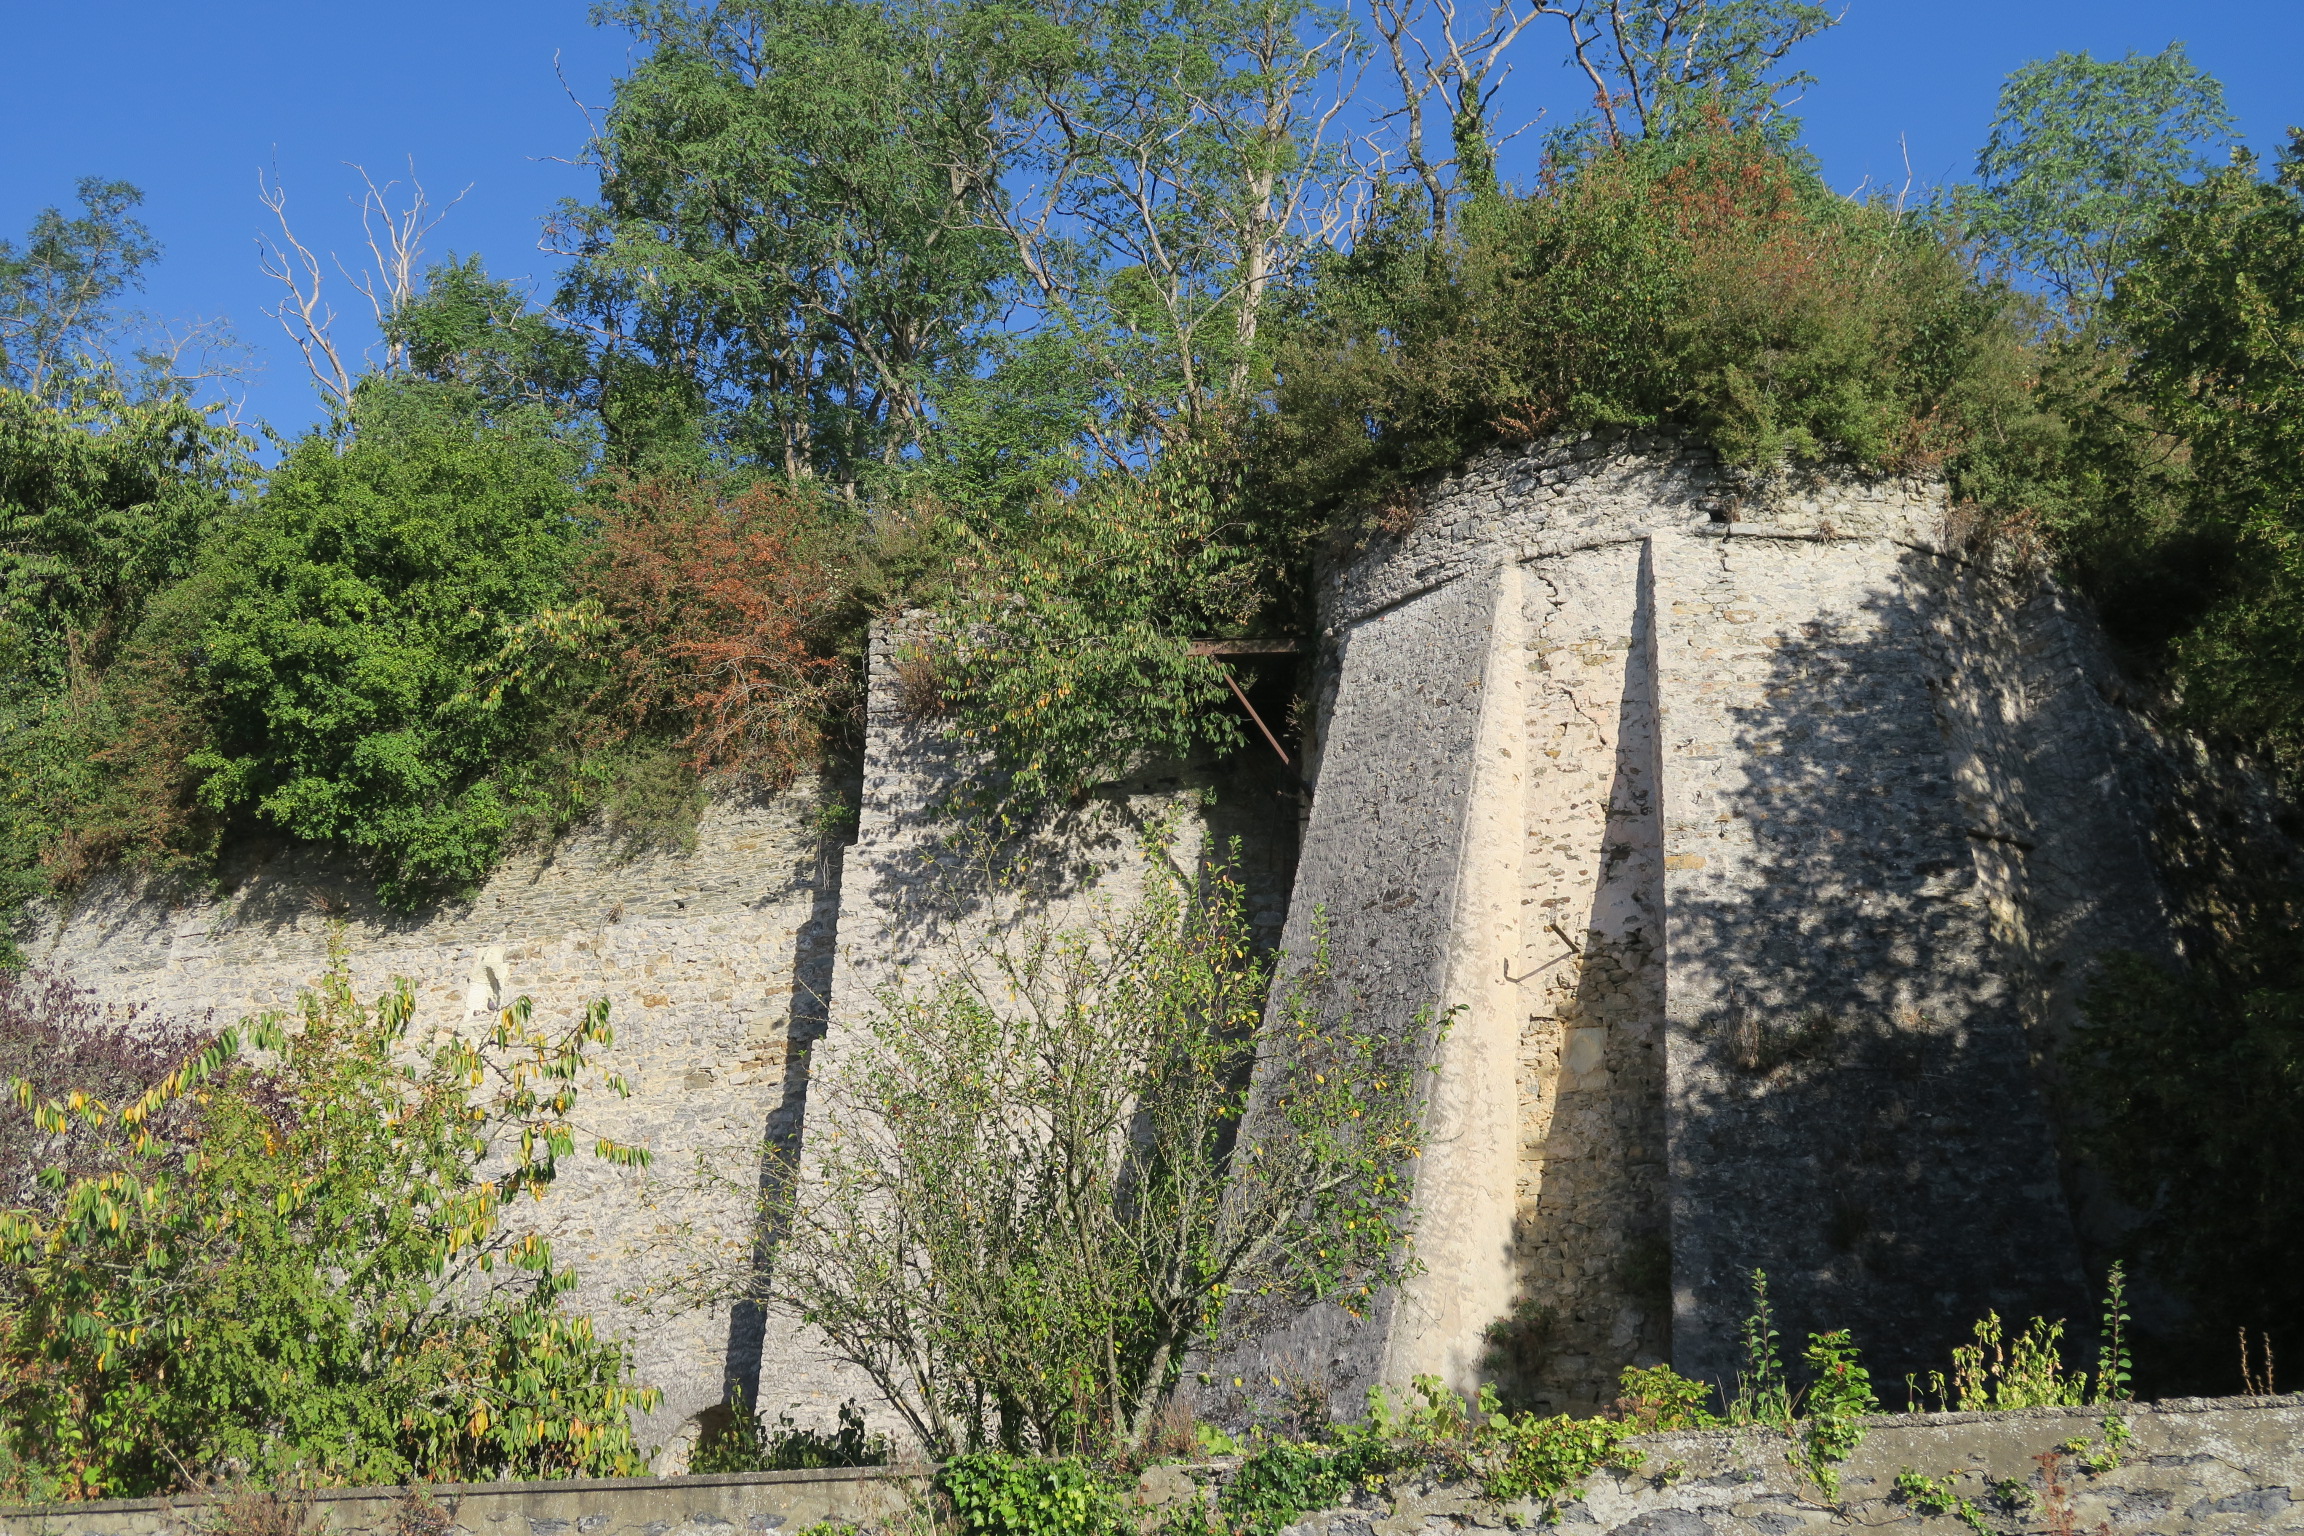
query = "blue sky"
{"x": 188, "y": 101}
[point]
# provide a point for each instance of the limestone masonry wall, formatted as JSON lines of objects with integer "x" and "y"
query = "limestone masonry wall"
{"x": 715, "y": 964}
{"x": 1755, "y": 842}
{"x": 1812, "y": 828}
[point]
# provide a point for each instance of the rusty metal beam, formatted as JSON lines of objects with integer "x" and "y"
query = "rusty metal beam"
{"x": 1234, "y": 685}
{"x": 1247, "y": 647}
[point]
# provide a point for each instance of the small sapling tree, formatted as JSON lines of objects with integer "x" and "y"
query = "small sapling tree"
{"x": 1038, "y": 1186}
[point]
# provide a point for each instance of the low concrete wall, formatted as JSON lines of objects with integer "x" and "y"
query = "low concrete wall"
{"x": 2189, "y": 1465}
{"x": 607, "y": 1506}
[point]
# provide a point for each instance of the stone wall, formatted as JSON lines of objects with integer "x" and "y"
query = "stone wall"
{"x": 1761, "y": 842}
{"x": 924, "y": 896}
{"x": 1756, "y": 845}
{"x": 715, "y": 962}
{"x": 2189, "y": 1466}
{"x": 725, "y": 966}
{"x": 874, "y": 1498}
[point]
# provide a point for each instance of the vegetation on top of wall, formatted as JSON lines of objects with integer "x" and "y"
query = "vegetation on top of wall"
{"x": 909, "y": 337}
{"x": 1708, "y": 281}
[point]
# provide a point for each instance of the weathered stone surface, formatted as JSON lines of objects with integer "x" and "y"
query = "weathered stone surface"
{"x": 2192, "y": 1465}
{"x": 875, "y": 1498}
{"x": 2189, "y": 1466}
{"x": 1851, "y": 1100}
{"x": 1818, "y": 829}
{"x": 715, "y": 962}
{"x": 1757, "y": 845}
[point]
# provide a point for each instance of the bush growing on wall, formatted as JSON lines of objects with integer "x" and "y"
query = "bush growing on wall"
{"x": 1708, "y": 280}
{"x": 1036, "y": 1188}
{"x": 104, "y": 504}
{"x": 724, "y": 617}
{"x": 298, "y": 1268}
{"x": 1063, "y": 649}
{"x": 356, "y": 596}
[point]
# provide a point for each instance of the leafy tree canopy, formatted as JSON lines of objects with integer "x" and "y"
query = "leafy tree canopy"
{"x": 57, "y": 292}
{"x": 383, "y": 561}
{"x": 102, "y": 503}
{"x": 2213, "y": 307}
{"x": 2084, "y": 156}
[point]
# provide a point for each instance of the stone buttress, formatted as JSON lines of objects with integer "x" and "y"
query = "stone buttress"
{"x": 1707, "y": 819}
{"x": 1756, "y": 848}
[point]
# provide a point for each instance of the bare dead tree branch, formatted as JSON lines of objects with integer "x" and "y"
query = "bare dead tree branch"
{"x": 304, "y": 312}
{"x": 394, "y": 235}
{"x": 395, "y": 238}
{"x": 1454, "y": 70}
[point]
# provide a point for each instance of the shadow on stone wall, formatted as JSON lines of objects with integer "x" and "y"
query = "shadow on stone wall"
{"x": 810, "y": 1018}
{"x": 1854, "y": 1104}
{"x": 1594, "y": 1256}
{"x": 929, "y": 888}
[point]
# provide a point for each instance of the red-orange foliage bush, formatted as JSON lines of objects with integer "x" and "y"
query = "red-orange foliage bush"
{"x": 722, "y": 613}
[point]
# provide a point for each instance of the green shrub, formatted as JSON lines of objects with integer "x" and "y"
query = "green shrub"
{"x": 1038, "y": 1196}
{"x": 751, "y": 1444}
{"x": 296, "y": 1269}
{"x": 999, "y": 1495}
{"x": 1282, "y": 1481}
{"x": 362, "y": 589}
{"x": 1708, "y": 281}
{"x": 1656, "y": 1398}
{"x": 1063, "y": 647}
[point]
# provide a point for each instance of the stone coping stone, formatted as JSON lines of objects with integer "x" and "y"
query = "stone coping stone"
{"x": 394, "y": 1491}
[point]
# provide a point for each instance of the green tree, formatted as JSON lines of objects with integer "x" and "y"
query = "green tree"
{"x": 302, "y": 1268}
{"x": 2194, "y": 1080}
{"x": 480, "y": 334}
{"x": 102, "y": 504}
{"x": 2085, "y": 155}
{"x": 1660, "y": 67}
{"x": 58, "y": 291}
{"x": 787, "y": 234}
{"x": 2213, "y": 307}
{"x": 1176, "y": 167}
{"x": 383, "y": 562}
